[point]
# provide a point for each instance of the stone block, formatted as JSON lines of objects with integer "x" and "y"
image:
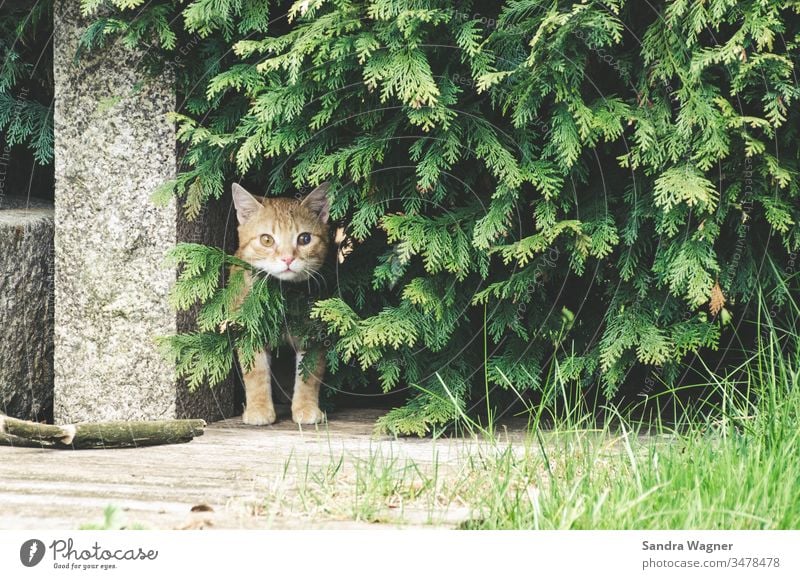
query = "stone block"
{"x": 26, "y": 308}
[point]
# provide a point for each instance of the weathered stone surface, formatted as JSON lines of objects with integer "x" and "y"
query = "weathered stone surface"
{"x": 26, "y": 308}
{"x": 114, "y": 146}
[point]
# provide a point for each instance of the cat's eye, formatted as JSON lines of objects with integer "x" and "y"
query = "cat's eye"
{"x": 304, "y": 239}
{"x": 266, "y": 240}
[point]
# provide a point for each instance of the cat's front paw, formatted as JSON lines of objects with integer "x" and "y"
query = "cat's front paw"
{"x": 307, "y": 414}
{"x": 258, "y": 416}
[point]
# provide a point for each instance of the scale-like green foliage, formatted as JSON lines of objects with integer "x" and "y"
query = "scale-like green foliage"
{"x": 225, "y": 319}
{"x": 589, "y": 186}
{"x": 26, "y": 89}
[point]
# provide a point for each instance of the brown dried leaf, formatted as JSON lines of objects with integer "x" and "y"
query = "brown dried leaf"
{"x": 717, "y": 301}
{"x": 202, "y": 508}
{"x": 345, "y": 244}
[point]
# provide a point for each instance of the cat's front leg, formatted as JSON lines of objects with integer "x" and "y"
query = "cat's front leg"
{"x": 305, "y": 400}
{"x": 258, "y": 409}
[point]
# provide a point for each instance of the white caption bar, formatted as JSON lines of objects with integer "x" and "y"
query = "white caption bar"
{"x": 388, "y": 554}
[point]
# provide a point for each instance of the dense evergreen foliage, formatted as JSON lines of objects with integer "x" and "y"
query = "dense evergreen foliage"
{"x": 529, "y": 187}
{"x": 26, "y": 94}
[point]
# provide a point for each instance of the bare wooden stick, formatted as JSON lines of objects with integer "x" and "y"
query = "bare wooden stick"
{"x": 114, "y": 434}
{"x": 34, "y": 431}
{"x": 123, "y": 434}
{"x": 11, "y": 440}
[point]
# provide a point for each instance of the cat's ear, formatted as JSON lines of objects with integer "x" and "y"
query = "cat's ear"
{"x": 317, "y": 202}
{"x": 246, "y": 205}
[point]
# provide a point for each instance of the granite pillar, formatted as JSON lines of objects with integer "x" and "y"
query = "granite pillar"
{"x": 113, "y": 147}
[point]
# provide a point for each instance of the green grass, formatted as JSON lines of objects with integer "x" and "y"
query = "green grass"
{"x": 112, "y": 521}
{"x": 731, "y": 462}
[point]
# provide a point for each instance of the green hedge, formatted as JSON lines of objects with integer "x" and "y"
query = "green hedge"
{"x": 533, "y": 189}
{"x": 26, "y": 97}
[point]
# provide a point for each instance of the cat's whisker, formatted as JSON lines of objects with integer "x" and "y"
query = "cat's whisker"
{"x": 317, "y": 275}
{"x": 262, "y": 275}
{"x": 318, "y": 278}
{"x": 314, "y": 274}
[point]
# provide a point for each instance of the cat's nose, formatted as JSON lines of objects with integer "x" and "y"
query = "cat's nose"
{"x": 287, "y": 260}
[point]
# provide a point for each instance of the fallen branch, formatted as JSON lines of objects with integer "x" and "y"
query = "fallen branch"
{"x": 9, "y": 440}
{"x": 114, "y": 434}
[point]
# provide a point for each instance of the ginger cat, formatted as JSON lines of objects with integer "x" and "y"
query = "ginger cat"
{"x": 288, "y": 240}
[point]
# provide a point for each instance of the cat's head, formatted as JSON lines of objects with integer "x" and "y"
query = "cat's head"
{"x": 286, "y": 238}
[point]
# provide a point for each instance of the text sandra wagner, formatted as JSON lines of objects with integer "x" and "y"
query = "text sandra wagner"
{"x": 688, "y": 546}
{"x": 65, "y": 550}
